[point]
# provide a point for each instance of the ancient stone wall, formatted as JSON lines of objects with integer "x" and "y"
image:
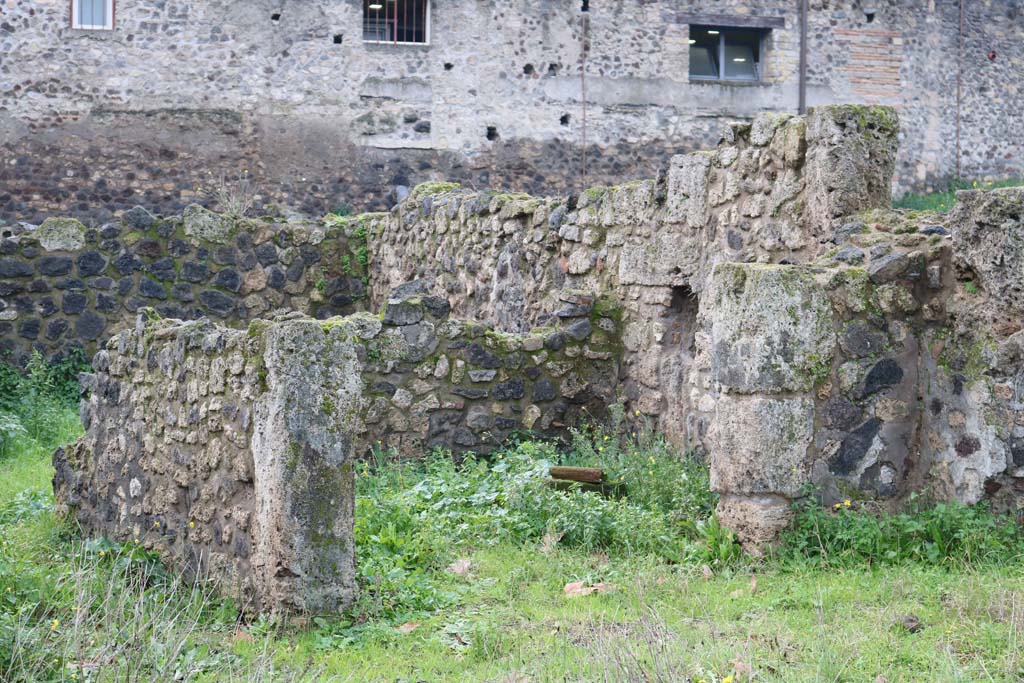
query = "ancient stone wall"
{"x": 229, "y": 452}
{"x": 758, "y": 301}
{"x": 65, "y": 285}
{"x": 183, "y": 93}
{"x": 768, "y": 193}
{"x": 431, "y": 381}
{"x": 890, "y": 365}
{"x": 210, "y": 446}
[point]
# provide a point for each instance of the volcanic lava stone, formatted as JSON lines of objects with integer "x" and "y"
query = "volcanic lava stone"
{"x": 544, "y": 390}
{"x": 91, "y": 263}
{"x": 138, "y": 218}
{"x": 854, "y": 447}
{"x": 481, "y": 357}
{"x": 228, "y": 279}
{"x": 73, "y": 303}
{"x": 218, "y": 302}
{"x": 885, "y": 373}
{"x": 29, "y": 329}
{"x": 46, "y": 306}
{"x": 510, "y": 390}
{"x": 10, "y": 267}
{"x": 127, "y": 263}
{"x": 194, "y": 271}
{"x": 56, "y": 329}
{"x": 53, "y": 266}
{"x": 151, "y": 289}
{"x": 267, "y": 254}
{"x": 402, "y": 313}
{"x": 275, "y": 277}
{"x": 163, "y": 269}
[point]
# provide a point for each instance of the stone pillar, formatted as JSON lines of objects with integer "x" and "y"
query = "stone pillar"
{"x": 769, "y": 339}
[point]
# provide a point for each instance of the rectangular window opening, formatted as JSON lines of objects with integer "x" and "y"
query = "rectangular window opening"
{"x": 95, "y": 15}
{"x": 405, "y": 22}
{"x": 720, "y": 53}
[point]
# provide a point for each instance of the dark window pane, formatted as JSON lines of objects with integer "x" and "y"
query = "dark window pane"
{"x": 742, "y": 54}
{"x": 702, "y": 62}
{"x": 739, "y": 62}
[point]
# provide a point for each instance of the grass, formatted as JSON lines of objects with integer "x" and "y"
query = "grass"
{"x": 464, "y": 570}
{"x": 943, "y": 201}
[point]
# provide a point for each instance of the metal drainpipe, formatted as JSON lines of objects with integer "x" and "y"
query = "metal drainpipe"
{"x": 802, "y": 107}
{"x": 585, "y": 17}
{"x": 959, "y": 81}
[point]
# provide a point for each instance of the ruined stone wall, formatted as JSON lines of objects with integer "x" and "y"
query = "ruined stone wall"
{"x": 209, "y": 446}
{"x": 229, "y": 452}
{"x": 890, "y": 365}
{"x": 183, "y": 93}
{"x": 768, "y": 193}
{"x": 431, "y": 381}
{"x": 64, "y": 285}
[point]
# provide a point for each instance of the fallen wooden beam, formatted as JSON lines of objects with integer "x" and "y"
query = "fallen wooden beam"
{"x": 586, "y": 475}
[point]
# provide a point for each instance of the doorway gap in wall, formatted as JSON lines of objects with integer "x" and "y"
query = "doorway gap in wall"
{"x": 338, "y": 37}
{"x": 492, "y": 133}
{"x": 681, "y": 320}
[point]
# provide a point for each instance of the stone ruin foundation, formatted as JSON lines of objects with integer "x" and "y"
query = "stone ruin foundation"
{"x": 758, "y": 302}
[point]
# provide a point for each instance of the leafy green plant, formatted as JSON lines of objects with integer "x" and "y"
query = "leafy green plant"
{"x": 945, "y": 533}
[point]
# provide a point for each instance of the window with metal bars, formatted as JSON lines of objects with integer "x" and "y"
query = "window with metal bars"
{"x": 92, "y": 14}
{"x": 396, "y": 21}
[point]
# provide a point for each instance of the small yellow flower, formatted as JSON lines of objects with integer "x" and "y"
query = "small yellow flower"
{"x": 55, "y": 624}
{"x": 136, "y": 541}
{"x": 605, "y": 437}
{"x": 102, "y": 553}
{"x": 727, "y": 679}
{"x": 837, "y": 506}
{"x": 638, "y": 413}
{"x": 651, "y": 459}
{"x": 191, "y": 525}
{"x": 156, "y": 524}
{"x": 846, "y": 502}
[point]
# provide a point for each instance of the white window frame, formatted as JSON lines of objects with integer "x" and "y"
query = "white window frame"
{"x": 426, "y": 32}
{"x": 109, "y": 26}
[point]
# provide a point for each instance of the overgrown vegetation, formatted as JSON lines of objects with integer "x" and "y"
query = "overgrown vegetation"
{"x": 943, "y": 201}
{"x": 35, "y": 403}
{"x": 479, "y": 570}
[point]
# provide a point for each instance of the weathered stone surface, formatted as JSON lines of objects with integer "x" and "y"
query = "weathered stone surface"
{"x": 275, "y": 531}
{"x": 756, "y": 520}
{"x": 770, "y": 328}
{"x": 888, "y": 268}
{"x": 205, "y": 225}
{"x": 760, "y": 445}
{"x": 61, "y": 234}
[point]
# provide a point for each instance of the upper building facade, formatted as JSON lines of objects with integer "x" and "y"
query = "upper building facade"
{"x": 105, "y": 104}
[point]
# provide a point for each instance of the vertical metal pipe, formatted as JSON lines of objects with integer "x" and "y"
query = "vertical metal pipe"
{"x": 583, "y": 87}
{"x": 959, "y": 87}
{"x": 802, "y": 104}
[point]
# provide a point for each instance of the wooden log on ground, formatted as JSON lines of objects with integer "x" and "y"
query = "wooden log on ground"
{"x": 586, "y": 475}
